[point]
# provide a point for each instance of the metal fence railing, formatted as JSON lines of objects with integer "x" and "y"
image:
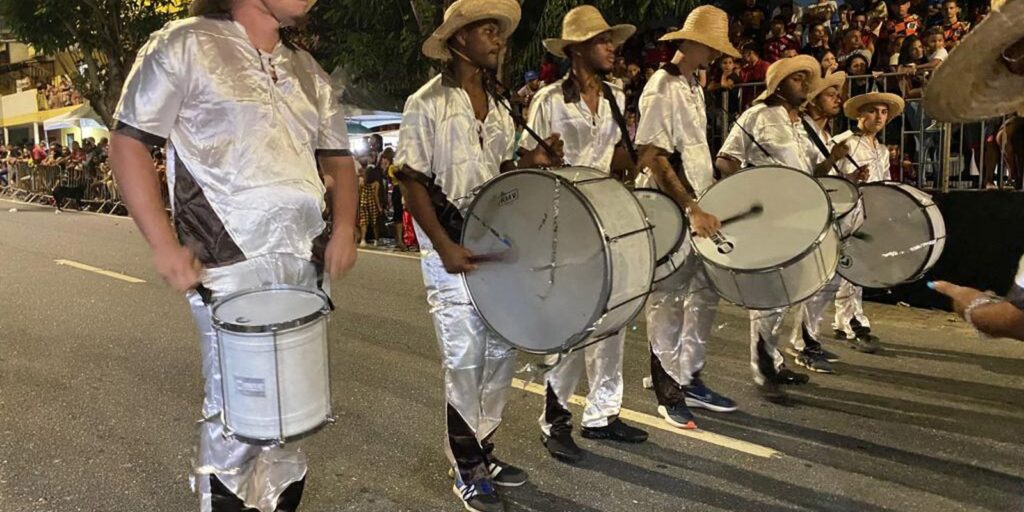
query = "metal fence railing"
{"x": 37, "y": 183}
{"x": 930, "y": 155}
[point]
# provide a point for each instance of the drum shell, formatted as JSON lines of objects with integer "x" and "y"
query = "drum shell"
{"x": 668, "y": 274}
{"x": 849, "y": 218}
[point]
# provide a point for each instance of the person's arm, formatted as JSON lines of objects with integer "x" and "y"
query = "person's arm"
{"x": 989, "y": 315}
{"x": 340, "y": 173}
{"x": 456, "y": 258}
{"x": 622, "y": 161}
{"x": 836, "y": 155}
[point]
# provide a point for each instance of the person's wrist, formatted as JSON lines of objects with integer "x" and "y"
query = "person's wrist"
{"x": 977, "y": 303}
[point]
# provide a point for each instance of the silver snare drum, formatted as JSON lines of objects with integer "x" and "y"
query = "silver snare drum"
{"x": 847, "y": 204}
{"x": 566, "y": 256}
{"x": 671, "y": 236}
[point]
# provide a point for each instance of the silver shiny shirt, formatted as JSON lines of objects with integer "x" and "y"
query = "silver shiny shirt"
{"x": 442, "y": 139}
{"x": 786, "y": 141}
{"x": 589, "y": 138}
{"x": 875, "y": 157}
{"x": 673, "y": 117}
{"x": 243, "y": 127}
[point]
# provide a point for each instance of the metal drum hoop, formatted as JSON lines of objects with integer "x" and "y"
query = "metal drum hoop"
{"x": 269, "y": 328}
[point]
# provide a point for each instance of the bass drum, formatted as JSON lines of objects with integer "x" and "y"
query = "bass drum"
{"x": 566, "y": 257}
{"x": 902, "y": 238}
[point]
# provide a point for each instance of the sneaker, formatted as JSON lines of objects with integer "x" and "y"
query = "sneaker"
{"x": 788, "y": 377}
{"x": 814, "y": 361}
{"x": 561, "y": 446}
{"x": 699, "y": 395}
{"x": 772, "y": 392}
{"x": 865, "y": 343}
{"x": 678, "y": 416}
{"x": 479, "y": 496}
{"x": 828, "y": 356}
{"x": 615, "y": 431}
{"x": 506, "y": 475}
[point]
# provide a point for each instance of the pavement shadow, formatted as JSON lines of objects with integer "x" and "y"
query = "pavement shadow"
{"x": 529, "y": 498}
{"x": 1001, "y": 365}
{"x": 955, "y": 389}
{"x": 779, "y": 489}
{"x": 961, "y": 482}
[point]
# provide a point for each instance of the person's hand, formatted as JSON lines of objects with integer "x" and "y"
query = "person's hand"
{"x": 178, "y": 266}
{"x": 703, "y": 224}
{"x": 539, "y": 157}
{"x": 456, "y": 258}
{"x": 727, "y": 83}
{"x": 962, "y": 296}
{"x": 340, "y": 254}
{"x": 839, "y": 152}
{"x": 860, "y": 175}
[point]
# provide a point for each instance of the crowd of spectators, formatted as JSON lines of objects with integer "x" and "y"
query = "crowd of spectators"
{"x": 58, "y": 93}
{"x": 79, "y": 171}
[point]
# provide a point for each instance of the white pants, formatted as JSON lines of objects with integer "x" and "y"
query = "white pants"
{"x": 849, "y": 307}
{"x": 810, "y": 313}
{"x": 765, "y": 358}
{"x": 603, "y": 364}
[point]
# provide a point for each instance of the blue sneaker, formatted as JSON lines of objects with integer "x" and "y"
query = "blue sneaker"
{"x": 678, "y": 416}
{"x": 478, "y": 496}
{"x": 698, "y": 395}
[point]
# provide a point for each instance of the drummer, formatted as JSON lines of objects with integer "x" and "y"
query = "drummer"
{"x": 873, "y": 111}
{"x": 455, "y": 137}
{"x": 578, "y": 107}
{"x": 774, "y": 135}
{"x": 246, "y": 195}
{"x": 673, "y": 118}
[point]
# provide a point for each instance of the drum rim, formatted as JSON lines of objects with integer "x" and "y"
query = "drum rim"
{"x": 922, "y": 270}
{"x": 830, "y": 222}
{"x": 275, "y": 327}
{"x": 860, "y": 196}
{"x": 681, "y": 239}
{"x": 278, "y": 441}
{"x": 605, "y": 287}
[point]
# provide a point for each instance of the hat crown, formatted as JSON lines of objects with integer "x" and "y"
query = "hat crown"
{"x": 707, "y": 18}
{"x": 583, "y": 22}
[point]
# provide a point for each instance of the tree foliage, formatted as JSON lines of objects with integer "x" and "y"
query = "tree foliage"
{"x": 101, "y": 37}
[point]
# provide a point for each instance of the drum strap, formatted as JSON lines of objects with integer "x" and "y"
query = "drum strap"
{"x": 817, "y": 141}
{"x": 620, "y": 120}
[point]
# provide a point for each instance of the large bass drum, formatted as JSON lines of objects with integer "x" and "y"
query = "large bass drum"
{"x": 902, "y": 238}
{"x": 565, "y": 257}
{"x": 777, "y": 246}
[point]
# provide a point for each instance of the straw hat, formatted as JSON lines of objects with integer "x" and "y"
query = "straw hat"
{"x": 820, "y": 85}
{"x": 973, "y": 83}
{"x": 708, "y": 26}
{"x": 583, "y": 24}
{"x": 783, "y": 68}
{"x": 465, "y": 12}
{"x": 854, "y": 104}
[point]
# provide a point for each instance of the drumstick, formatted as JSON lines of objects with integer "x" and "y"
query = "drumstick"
{"x": 754, "y": 211}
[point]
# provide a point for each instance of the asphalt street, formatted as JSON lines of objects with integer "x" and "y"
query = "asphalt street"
{"x": 100, "y": 390}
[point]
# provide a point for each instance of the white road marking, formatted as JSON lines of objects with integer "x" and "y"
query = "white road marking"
{"x": 100, "y": 271}
{"x": 656, "y": 422}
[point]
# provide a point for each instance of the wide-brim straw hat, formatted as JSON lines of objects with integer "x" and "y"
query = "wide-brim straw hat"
{"x": 709, "y": 26}
{"x": 973, "y": 83}
{"x": 783, "y": 68}
{"x": 464, "y": 12}
{"x": 820, "y": 85}
{"x": 894, "y": 102}
{"x": 583, "y": 24}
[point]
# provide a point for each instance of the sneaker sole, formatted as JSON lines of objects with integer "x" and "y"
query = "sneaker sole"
{"x": 451, "y": 474}
{"x": 567, "y": 459}
{"x": 602, "y": 437}
{"x": 693, "y": 402}
{"x": 691, "y": 425}
{"x": 465, "y": 504}
{"x": 816, "y": 370}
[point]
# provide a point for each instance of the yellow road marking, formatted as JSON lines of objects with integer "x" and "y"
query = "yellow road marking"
{"x": 656, "y": 422}
{"x": 100, "y": 271}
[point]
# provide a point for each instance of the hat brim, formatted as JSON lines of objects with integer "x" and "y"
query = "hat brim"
{"x": 837, "y": 79}
{"x": 799, "y": 65}
{"x": 717, "y": 43}
{"x": 506, "y": 12}
{"x": 973, "y": 84}
{"x": 894, "y": 102}
{"x": 619, "y": 33}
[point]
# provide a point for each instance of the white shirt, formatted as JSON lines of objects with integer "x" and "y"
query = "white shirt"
{"x": 589, "y": 138}
{"x": 814, "y": 154}
{"x": 673, "y": 117}
{"x": 442, "y": 138}
{"x": 876, "y": 158}
{"x": 941, "y": 55}
{"x": 785, "y": 140}
{"x": 241, "y": 164}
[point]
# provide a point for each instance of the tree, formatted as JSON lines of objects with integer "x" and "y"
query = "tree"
{"x": 99, "y": 37}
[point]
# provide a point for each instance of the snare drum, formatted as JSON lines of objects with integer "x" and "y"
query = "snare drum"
{"x": 847, "y": 204}
{"x": 671, "y": 236}
{"x": 272, "y": 345}
{"x": 901, "y": 239}
{"x": 776, "y": 258}
{"x": 566, "y": 256}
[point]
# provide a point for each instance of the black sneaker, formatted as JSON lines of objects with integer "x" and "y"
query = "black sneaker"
{"x": 814, "y": 361}
{"x": 699, "y": 395}
{"x": 678, "y": 416}
{"x": 506, "y": 475}
{"x": 866, "y": 343}
{"x": 789, "y": 377}
{"x": 829, "y": 356}
{"x": 479, "y": 496}
{"x": 772, "y": 392}
{"x": 562, "y": 447}
{"x": 615, "y": 431}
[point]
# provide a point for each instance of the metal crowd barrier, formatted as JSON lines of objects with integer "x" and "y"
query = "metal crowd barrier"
{"x": 35, "y": 184}
{"x": 938, "y": 156}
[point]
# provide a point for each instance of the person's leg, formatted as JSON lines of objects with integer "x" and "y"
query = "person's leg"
{"x": 560, "y": 384}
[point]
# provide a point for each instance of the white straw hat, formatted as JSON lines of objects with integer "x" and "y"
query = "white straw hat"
{"x": 708, "y": 26}
{"x": 894, "y": 102}
{"x": 583, "y": 24}
{"x": 465, "y": 12}
{"x": 820, "y": 85}
{"x": 782, "y": 68}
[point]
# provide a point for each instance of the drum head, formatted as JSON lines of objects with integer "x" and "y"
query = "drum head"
{"x": 666, "y": 218}
{"x": 533, "y": 304}
{"x": 842, "y": 192}
{"x": 269, "y": 308}
{"x": 896, "y": 242}
{"x": 795, "y": 214}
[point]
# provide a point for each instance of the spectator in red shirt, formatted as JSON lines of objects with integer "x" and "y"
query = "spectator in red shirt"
{"x": 778, "y": 41}
{"x": 754, "y": 70}
{"x": 38, "y": 153}
{"x": 954, "y": 28}
{"x": 903, "y": 23}
{"x": 548, "y": 69}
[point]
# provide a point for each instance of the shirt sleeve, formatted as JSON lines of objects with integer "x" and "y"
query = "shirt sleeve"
{"x": 332, "y": 134}
{"x": 416, "y": 138}
{"x": 655, "y": 126}
{"x": 736, "y": 142}
{"x": 154, "y": 92}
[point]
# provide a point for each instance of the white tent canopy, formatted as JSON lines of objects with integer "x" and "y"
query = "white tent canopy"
{"x": 82, "y": 117}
